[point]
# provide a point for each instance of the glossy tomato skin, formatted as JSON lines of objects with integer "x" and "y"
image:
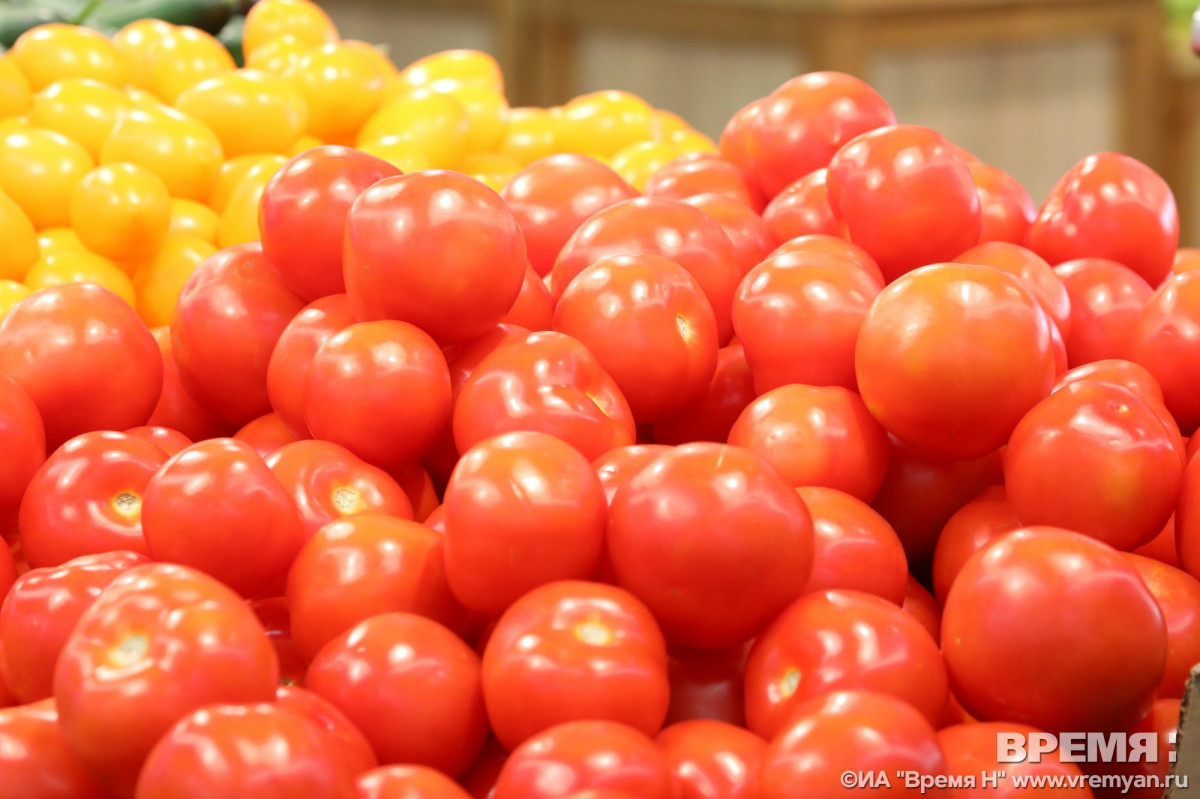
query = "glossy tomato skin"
{"x": 266, "y": 435}
{"x": 522, "y": 510}
{"x": 87, "y": 498}
{"x": 632, "y": 311}
{"x": 853, "y": 546}
{"x": 833, "y": 245}
{"x": 346, "y": 743}
{"x": 1097, "y": 459}
{"x": 712, "y": 759}
{"x": 35, "y": 761}
{"x": 81, "y": 340}
{"x": 399, "y": 227}
{"x": 570, "y": 651}
{"x": 408, "y": 782}
{"x": 617, "y": 466}
{"x": 230, "y": 314}
{"x": 302, "y": 215}
{"x": 1005, "y": 208}
{"x": 1126, "y": 374}
{"x": 752, "y": 240}
{"x": 970, "y": 750}
{"x": 582, "y": 755}
{"x": 748, "y": 552}
{"x": 695, "y": 174}
{"x": 381, "y": 673}
{"x": 971, "y": 528}
{"x": 1037, "y": 275}
{"x": 1165, "y": 341}
{"x": 1178, "y": 596}
{"x": 177, "y": 409}
{"x": 1106, "y": 299}
{"x": 922, "y": 606}
{"x": 1109, "y": 206}
{"x": 200, "y": 505}
{"x": 533, "y": 308}
{"x": 248, "y": 742}
{"x": 711, "y": 417}
{"x": 23, "y": 440}
{"x": 802, "y": 209}
{"x": 287, "y": 371}
{"x": 168, "y": 440}
{"x": 951, "y": 356}
{"x": 161, "y": 641}
{"x": 708, "y": 684}
{"x": 553, "y": 196}
{"x": 1089, "y": 603}
{"x": 480, "y": 779}
{"x": 906, "y": 196}
{"x": 1187, "y": 519}
{"x": 1162, "y": 725}
{"x": 41, "y": 609}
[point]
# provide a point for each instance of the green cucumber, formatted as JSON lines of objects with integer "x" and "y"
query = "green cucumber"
{"x": 15, "y": 20}
{"x": 207, "y": 15}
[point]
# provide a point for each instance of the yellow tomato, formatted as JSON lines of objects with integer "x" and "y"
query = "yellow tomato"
{"x": 303, "y": 144}
{"x": 81, "y": 109}
{"x": 80, "y": 266}
{"x": 300, "y": 18}
{"x": 532, "y": 134}
{"x": 12, "y": 292}
{"x": 342, "y": 87}
{"x": 374, "y": 53}
{"x": 250, "y": 111}
{"x": 180, "y": 150}
{"x": 277, "y": 55}
{"x": 239, "y": 221}
{"x": 121, "y": 211}
{"x": 487, "y": 111}
{"x": 494, "y": 169}
{"x": 140, "y": 98}
{"x": 15, "y": 94}
{"x": 18, "y": 240}
{"x": 402, "y": 155}
{"x": 451, "y": 68}
{"x": 604, "y": 122}
{"x": 50, "y": 53}
{"x": 691, "y": 141}
{"x": 56, "y": 239}
{"x": 132, "y": 45}
{"x": 159, "y": 280}
{"x": 190, "y": 218}
{"x": 236, "y": 170}
{"x": 663, "y": 123}
{"x": 14, "y": 125}
{"x": 433, "y": 123}
{"x": 39, "y": 170}
{"x": 183, "y": 58}
{"x": 637, "y": 162}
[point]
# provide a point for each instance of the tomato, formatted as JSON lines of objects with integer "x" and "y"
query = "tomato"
{"x": 713, "y": 563}
{"x": 199, "y": 505}
{"x": 833, "y": 245}
{"x": 1005, "y": 208}
{"x": 970, "y": 751}
{"x": 408, "y": 782}
{"x": 711, "y": 417}
{"x": 161, "y": 641}
{"x": 800, "y": 126}
{"x": 1187, "y": 519}
{"x": 23, "y": 247}
{"x": 35, "y": 759}
{"x": 572, "y": 651}
{"x": 1101, "y": 645}
{"x": 798, "y": 316}
{"x": 970, "y": 529}
{"x": 532, "y": 134}
{"x": 23, "y": 441}
{"x": 418, "y": 486}
{"x": 160, "y": 278}
{"x": 342, "y": 86}
{"x": 708, "y": 685}
{"x": 1042, "y": 281}
{"x": 347, "y": 743}
{"x": 287, "y": 371}
{"x": 176, "y": 409}
{"x": 8, "y": 576}
{"x": 550, "y": 383}
{"x": 922, "y": 606}
{"x": 250, "y": 111}
{"x": 179, "y": 149}
{"x": 266, "y": 435}
{"x": 1126, "y": 374}
{"x": 356, "y": 568}
{"x": 434, "y": 124}
{"x": 76, "y": 341}
{"x": 1178, "y": 596}
{"x": 572, "y": 758}
{"x": 302, "y": 19}
{"x": 632, "y": 311}
{"x": 50, "y": 53}
{"x": 854, "y": 732}
{"x": 1187, "y": 259}
{"x": 653, "y": 225}
{"x": 1162, "y": 546}
{"x": 231, "y": 313}
{"x": 713, "y": 760}
{"x": 121, "y": 211}
{"x": 617, "y": 466}
{"x": 853, "y": 546}
{"x": 250, "y": 742}
{"x": 410, "y": 685}
{"x": 906, "y": 196}
{"x": 452, "y": 68}
{"x": 1106, "y": 298}
{"x": 480, "y": 779}
{"x": 950, "y": 357}
{"x": 81, "y": 109}
{"x": 803, "y": 209}
{"x": 705, "y": 173}
{"x": 1165, "y": 342}
{"x": 1161, "y": 724}
{"x": 182, "y": 58}
{"x": 816, "y": 436}
{"x": 533, "y": 308}
{"x": 603, "y": 122}
{"x": 303, "y": 211}
{"x": 273, "y": 615}
{"x": 401, "y": 225}
{"x": 1109, "y": 206}
{"x": 522, "y": 509}
{"x": 751, "y": 239}
{"x": 87, "y": 498}
{"x": 190, "y": 218}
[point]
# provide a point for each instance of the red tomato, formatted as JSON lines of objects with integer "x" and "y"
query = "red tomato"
{"x": 970, "y": 529}
{"x": 266, "y": 435}
{"x": 1101, "y": 643}
{"x": 553, "y": 196}
{"x": 1005, "y": 208}
{"x": 751, "y": 239}
{"x": 408, "y": 782}
{"x": 816, "y": 436}
{"x": 302, "y": 215}
{"x": 263, "y": 750}
{"x": 1161, "y": 724}
{"x": 176, "y": 409}
{"x": 84, "y": 357}
{"x": 6, "y": 698}
{"x": 1162, "y": 546}
{"x": 35, "y": 761}
{"x": 410, "y": 685}
{"x": 23, "y": 442}
{"x": 160, "y": 641}
{"x": 833, "y": 245}
{"x": 355, "y": 379}
{"x": 480, "y": 778}
{"x": 230, "y": 314}
{"x": 1166, "y": 340}
{"x": 798, "y": 127}
{"x": 1097, "y": 459}
{"x": 1105, "y": 301}
{"x": 971, "y": 751}
{"x": 287, "y": 371}
{"x": 1109, "y": 206}
{"x": 711, "y": 417}
{"x": 1178, "y": 596}
{"x": 363, "y": 566}
{"x": 713, "y": 760}
{"x": 1126, "y": 374}
{"x": 402, "y": 227}
{"x": 571, "y": 651}
{"x": 533, "y": 309}
{"x": 571, "y": 758}
{"x": 906, "y": 196}
{"x": 921, "y": 605}
{"x": 634, "y": 311}
{"x": 201, "y": 503}
{"x": 417, "y": 484}
{"x": 87, "y": 498}
{"x": 798, "y": 316}
{"x": 669, "y": 228}
{"x": 617, "y": 466}
{"x": 694, "y": 174}
{"x": 168, "y": 440}
{"x": 8, "y": 574}
{"x": 328, "y": 482}
{"x": 854, "y": 732}
{"x": 853, "y": 546}
{"x": 276, "y": 621}
{"x": 803, "y": 209}
{"x": 522, "y": 510}
{"x": 708, "y": 685}
{"x": 1187, "y": 519}
{"x": 549, "y": 383}
{"x": 713, "y": 540}
{"x": 950, "y": 357}
{"x": 349, "y": 746}
{"x": 1037, "y": 275}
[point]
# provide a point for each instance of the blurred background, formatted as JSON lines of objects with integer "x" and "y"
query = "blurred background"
{"x": 1028, "y": 85}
